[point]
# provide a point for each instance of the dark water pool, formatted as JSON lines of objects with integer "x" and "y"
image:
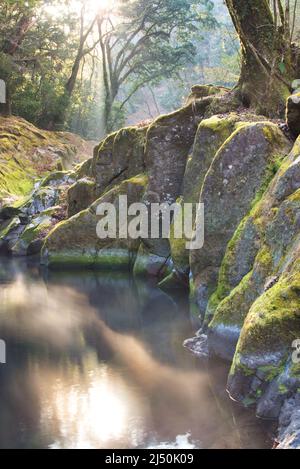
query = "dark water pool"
{"x": 96, "y": 361}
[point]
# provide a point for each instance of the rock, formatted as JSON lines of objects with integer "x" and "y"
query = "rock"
{"x": 148, "y": 264}
{"x": 59, "y": 178}
{"x": 238, "y": 176}
{"x": 28, "y": 153}
{"x": 293, "y": 114}
{"x": 174, "y": 282}
{"x": 119, "y": 157}
{"x": 210, "y": 136}
{"x": 169, "y": 142}
{"x": 289, "y": 424}
{"x": 202, "y": 91}
{"x": 9, "y": 234}
{"x": 74, "y": 242}
{"x": 264, "y": 241}
{"x": 265, "y": 346}
{"x": 31, "y": 239}
{"x": 42, "y": 199}
{"x": 198, "y": 346}
{"x": 81, "y": 195}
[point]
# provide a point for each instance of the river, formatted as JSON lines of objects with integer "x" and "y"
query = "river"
{"x": 96, "y": 360}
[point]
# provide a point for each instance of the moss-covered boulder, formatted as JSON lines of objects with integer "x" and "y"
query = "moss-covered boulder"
{"x": 210, "y": 136}
{"x": 32, "y": 237}
{"x": 264, "y": 351}
{"x": 169, "y": 142}
{"x": 24, "y": 226}
{"x": 119, "y": 157}
{"x": 81, "y": 195}
{"x": 238, "y": 176}
{"x": 74, "y": 242}
{"x": 263, "y": 245}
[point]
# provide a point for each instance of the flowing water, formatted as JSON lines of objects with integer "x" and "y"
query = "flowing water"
{"x": 96, "y": 361}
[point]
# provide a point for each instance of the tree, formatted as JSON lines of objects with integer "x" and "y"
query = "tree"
{"x": 17, "y": 18}
{"x": 58, "y": 119}
{"x": 269, "y": 57}
{"x": 144, "y": 42}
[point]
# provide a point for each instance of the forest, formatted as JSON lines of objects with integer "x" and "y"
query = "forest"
{"x": 150, "y": 225}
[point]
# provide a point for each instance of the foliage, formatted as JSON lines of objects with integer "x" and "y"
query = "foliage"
{"x": 62, "y": 74}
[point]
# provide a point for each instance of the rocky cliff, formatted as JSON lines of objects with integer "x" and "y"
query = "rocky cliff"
{"x": 245, "y": 282}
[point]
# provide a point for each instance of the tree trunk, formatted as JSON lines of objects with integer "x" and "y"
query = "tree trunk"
{"x": 267, "y": 66}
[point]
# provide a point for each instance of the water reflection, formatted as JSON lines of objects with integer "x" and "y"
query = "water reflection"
{"x": 96, "y": 361}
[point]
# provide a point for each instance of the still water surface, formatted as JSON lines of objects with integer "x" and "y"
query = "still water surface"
{"x": 96, "y": 361}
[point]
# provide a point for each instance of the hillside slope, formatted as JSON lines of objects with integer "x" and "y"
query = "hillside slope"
{"x": 28, "y": 153}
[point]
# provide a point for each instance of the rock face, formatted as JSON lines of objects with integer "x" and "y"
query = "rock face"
{"x": 238, "y": 175}
{"x": 245, "y": 281}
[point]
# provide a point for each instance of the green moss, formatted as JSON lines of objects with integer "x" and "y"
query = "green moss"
{"x": 36, "y": 230}
{"x": 238, "y": 366}
{"x": 271, "y": 171}
{"x": 282, "y": 389}
{"x": 234, "y": 308}
{"x": 27, "y": 153}
{"x": 295, "y": 197}
{"x": 264, "y": 260}
{"x": 273, "y": 321}
{"x": 270, "y": 372}
{"x": 224, "y": 287}
{"x": 106, "y": 259}
{"x": 295, "y": 370}
{"x": 139, "y": 180}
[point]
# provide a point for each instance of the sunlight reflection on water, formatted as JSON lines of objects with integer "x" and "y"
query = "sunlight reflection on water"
{"x": 97, "y": 362}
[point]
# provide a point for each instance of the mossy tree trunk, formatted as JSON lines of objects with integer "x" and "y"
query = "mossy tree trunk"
{"x": 267, "y": 55}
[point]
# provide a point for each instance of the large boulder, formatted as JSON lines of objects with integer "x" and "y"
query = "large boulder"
{"x": 119, "y": 157}
{"x": 262, "y": 243}
{"x": 81, "y": 195}
{"x": 255, "y": 310}
{"x": 237, "y": 178}
{"x": 74, "y": 242}
{"x": 210, "y": 136}
{"x": 169, "y": 142}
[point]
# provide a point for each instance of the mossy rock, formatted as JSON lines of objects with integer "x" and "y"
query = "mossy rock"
{"x": 203, "y": 91}
{"x": 74, "y": 242}
{"x": 265, "y": 345}
{"x": 81, "y": 195}
{"x": 239, "y": 174}
{"x": 33, "y": 236}
{"x": 210, "y": 136}
{"x": 265, "y": 245}
{"x": 119, "y": 157}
